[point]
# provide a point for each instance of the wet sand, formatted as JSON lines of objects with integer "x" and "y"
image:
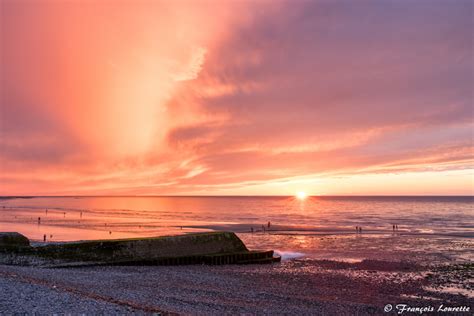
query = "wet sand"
{"x": 298, "y": 287}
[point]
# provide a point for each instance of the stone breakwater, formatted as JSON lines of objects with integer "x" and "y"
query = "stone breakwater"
{"x": 199, "y": 248}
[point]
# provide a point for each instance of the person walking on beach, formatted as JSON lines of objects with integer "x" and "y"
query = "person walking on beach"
{"x": 268, "y": 225}
{"x": 360, "y": 230}
{"x": 357, "y": 229}
{"x": 44, "y": 238}
{"x": 251, "y": 230}
{"x": 39, "y": 220}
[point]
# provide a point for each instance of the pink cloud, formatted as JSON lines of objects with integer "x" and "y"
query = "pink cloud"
{"x": 169, "y": 99}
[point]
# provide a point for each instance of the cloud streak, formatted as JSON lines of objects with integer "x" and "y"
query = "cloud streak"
{"x": 178, "y": 99}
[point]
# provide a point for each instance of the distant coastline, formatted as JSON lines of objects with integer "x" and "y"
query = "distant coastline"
{"x": 231, "y": 196}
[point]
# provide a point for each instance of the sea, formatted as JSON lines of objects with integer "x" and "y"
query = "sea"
{"x": 424, "y": 228}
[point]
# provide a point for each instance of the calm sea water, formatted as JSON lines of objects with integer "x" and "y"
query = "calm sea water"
{"x": 305, "y": 226}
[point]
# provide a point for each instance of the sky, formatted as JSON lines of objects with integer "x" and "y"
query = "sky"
{"x": 236, "y": 97}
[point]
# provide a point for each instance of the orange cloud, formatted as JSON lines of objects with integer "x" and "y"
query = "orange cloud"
{"x": 194, "y": 97}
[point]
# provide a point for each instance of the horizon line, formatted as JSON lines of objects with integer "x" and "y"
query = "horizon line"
{"x": 289, "y": 195}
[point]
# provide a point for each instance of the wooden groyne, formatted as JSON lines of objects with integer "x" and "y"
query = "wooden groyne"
{"x": 201, "y": 248}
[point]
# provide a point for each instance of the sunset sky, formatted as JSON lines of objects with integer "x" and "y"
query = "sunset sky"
{"x": 236, "y": 97}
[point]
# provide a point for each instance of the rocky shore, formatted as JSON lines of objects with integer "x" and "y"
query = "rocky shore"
{"x": 302, "y": 287}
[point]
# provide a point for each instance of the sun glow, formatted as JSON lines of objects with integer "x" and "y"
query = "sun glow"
{"x": 301, "y": 195}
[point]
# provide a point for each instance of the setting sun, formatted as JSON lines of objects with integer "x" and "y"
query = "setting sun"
{"x": 301, "y": 195}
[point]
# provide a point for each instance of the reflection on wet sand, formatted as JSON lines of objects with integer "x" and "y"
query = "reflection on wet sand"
{"x": 394, "y": 228}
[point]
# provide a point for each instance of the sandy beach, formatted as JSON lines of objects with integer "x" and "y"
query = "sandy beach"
{"x": 302, "y": 286}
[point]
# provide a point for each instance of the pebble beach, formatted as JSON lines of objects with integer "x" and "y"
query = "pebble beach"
{"x": 300, "y": 286}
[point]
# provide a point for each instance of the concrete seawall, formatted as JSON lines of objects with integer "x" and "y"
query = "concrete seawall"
{"x": 208, "y": 248}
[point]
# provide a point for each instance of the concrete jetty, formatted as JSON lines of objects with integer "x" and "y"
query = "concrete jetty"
{"x": 198, "y": 248}
{"x": 13, "y": 241}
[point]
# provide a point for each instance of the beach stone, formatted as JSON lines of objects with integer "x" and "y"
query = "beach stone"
{"x": 13, "y": 240}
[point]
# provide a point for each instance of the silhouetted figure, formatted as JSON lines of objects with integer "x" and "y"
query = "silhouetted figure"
{"x": 110, "y": 233}
{"x": 64, "y": 214}
{"x": 251, "y": 230}
{"x": 357, "y": 229}
{"x": 46, "y": 211}
{"x": 393, "y": 227}
{"x": 39, "y": 220}
{"x": 50, "y": 236}
{"x": 44, "y": 238}
{"x": 360, "y": 230}
{"x": 268, "y": 225}
{"x": 396, "y": 227}
{"x": 81, "y": 214}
